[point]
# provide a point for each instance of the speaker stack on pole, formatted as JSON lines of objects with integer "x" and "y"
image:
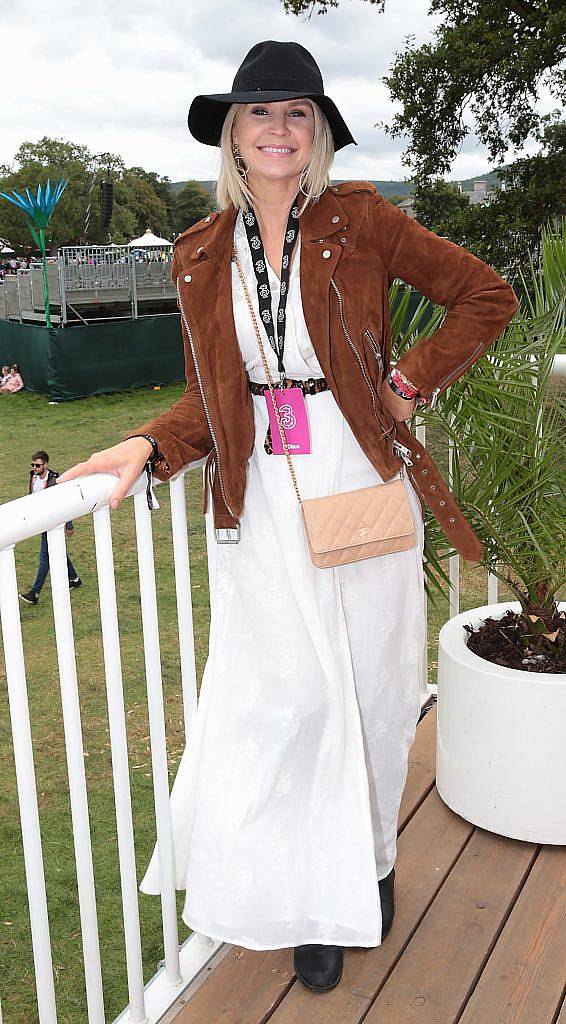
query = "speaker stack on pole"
{"x": 106, "y": 201}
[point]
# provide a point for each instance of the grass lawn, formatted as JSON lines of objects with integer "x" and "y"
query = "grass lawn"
{"x": 70, "y": 432}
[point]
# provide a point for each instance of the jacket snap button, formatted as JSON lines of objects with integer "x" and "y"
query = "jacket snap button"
{"x": 418, "y": 455}
{"x": 433, "y": 487}
{"x": 442, "y": 503}
{"x": 199, "y": 248}
{"x": 188, "y": 278}
{"x": 206, "y": 219}
{"x": 335, "y": 220}
{"x": 326, "y": 253}
{"x": 451, "y": 519}
{"x": 425, "y": 472}
{"x": 343, "y": 239}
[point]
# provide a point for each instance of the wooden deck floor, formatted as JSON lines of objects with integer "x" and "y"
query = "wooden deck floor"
{"x": 479, "y": 935}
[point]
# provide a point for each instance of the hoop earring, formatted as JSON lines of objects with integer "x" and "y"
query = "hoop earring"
{"x": 240, "y": 163}
{"x": 301, "y": 189}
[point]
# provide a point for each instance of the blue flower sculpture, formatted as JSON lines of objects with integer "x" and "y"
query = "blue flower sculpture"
{"x": 38, "y": 210}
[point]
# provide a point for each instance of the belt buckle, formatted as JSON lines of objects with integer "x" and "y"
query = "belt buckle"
{"x": 229, "y": 531}
{"x": 311, "y": 386}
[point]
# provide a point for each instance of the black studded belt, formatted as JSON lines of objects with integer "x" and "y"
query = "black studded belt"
{"x": 312, "y": 386}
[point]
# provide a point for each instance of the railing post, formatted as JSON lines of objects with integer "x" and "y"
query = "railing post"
{"x": 420, "y": 433}
{"x": 119, "y": 753}
{"x": 133, "y": 284}
{"x": 62, "y": 287}
{"x": 150, "y": 627}
{"x": 27, "y": 792}
{"x": 18, "y": 296}
{"x": 454, "y": 596}
{"x": 76, "y": 771}
{"x": 184, "y": 603}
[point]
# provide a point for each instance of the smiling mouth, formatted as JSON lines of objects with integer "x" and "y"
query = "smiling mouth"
{"x": 281, "y": 150}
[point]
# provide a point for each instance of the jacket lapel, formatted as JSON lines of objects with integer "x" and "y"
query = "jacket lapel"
{"x": 206, "y": 283}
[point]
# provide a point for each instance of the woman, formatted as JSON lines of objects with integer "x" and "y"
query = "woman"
{"x": 12, "y": 381}
{"x": 286, "y": 800}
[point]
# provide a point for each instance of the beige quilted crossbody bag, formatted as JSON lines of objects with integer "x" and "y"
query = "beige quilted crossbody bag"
{"x": 352, "y": 525}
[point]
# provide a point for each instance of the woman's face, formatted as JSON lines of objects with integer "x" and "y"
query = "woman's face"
{"x": 275, "y": 139}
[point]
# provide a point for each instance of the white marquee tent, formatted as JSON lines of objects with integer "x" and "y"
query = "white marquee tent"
{"x": 149, "y": 239}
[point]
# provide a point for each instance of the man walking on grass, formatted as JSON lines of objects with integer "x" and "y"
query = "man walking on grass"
{"x": 41, "y": 476}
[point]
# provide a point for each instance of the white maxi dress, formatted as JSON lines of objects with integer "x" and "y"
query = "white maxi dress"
{"x": 285, "y": 804}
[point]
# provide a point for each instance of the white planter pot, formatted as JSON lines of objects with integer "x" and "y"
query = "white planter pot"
{"x": 501, "y": 738}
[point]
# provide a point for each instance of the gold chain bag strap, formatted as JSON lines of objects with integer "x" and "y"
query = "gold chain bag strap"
{"x": 352, "y": 525}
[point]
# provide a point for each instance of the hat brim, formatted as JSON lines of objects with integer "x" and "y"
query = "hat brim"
{"x": 207, "y": 113}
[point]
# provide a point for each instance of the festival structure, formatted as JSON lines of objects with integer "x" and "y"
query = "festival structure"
{"x": 93, "y": 319}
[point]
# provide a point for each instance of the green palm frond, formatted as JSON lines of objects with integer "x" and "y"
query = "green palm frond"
{"x": 507, "y": 420}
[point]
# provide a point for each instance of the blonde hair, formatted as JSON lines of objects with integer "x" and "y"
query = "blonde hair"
{"x": 231, "y": 187}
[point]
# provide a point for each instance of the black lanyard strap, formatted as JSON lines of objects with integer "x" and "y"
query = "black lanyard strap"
{"x": 263, "y": 288}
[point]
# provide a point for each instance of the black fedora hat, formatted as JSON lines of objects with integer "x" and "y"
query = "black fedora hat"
{"x": 271, "y": 71}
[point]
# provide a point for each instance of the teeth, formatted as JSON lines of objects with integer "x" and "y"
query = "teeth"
{"x": 275, "y": 149}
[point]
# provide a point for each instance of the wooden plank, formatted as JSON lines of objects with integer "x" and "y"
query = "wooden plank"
{"x": 442, "y": 963}
{"x": 561, "y": 1019}
{"x": 247, "y": 986}
{"x": 244, "y": 989}
{"x": 525, "y": 975}
{"x": 421, "y": 768}
{"x": 427, "y": 849}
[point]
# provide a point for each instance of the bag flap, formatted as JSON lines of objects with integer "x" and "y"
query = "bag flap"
{"x": 358, "y": 517}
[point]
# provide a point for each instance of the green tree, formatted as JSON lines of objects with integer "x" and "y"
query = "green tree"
{"x": 505, "y": 230}
{"x": 193, "y": 202}
{"x": 441, "y": 207}
{"x": 76, "y": 218}
{"x": 135, "y": 196}
{"x": 488, "y": 57}
{"x": 161, "y": 185}
{"x": 36, "y": 162}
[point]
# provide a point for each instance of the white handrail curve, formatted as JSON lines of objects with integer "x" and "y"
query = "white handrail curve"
{"x": 35, "y": 513}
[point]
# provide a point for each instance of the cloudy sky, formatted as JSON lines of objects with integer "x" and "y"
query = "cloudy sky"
{"x": 119, "y": 76}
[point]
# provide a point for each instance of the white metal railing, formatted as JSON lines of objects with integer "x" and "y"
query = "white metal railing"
{"x": 27, "y": 517}
{"x": 48, "y": 511}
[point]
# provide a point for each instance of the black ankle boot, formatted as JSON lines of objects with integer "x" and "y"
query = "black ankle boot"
{"x": 386, "y": 896}
{"x": 319, "y": 967}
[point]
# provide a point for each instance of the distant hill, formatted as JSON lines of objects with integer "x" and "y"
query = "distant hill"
{"x": 386, "y": 188}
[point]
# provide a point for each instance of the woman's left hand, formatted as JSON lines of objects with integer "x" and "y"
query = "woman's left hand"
{"x": 400, "y": 408}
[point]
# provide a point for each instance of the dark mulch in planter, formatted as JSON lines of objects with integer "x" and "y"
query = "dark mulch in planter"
{"x": 527, "y": 642}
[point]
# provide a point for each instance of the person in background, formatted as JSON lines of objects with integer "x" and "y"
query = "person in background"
{"x": 5, "y": 376}
{"x": 40, "y": 477}
{"x": 12, "y": 382}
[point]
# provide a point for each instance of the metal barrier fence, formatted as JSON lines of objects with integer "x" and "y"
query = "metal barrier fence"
{"x": 94, "y": 274}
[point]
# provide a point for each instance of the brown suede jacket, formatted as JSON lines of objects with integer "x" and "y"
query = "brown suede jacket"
{"x": 353, "y": 244}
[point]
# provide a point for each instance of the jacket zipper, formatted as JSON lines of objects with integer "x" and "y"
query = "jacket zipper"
{"x": 356, "y": 353}
{"x": 204, "y": 402}
{"x": 375, "y": 349}
{"x": 436, "y": 391}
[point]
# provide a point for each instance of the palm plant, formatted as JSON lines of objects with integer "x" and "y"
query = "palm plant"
{"x": 506, "y": 419}
{"x": 38, "y": 210}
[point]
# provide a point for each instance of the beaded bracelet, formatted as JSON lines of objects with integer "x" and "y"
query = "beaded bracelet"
{"x": 394, "y": 378}
{"x": 403, "y": 384}
{"x": 397, "y": 390}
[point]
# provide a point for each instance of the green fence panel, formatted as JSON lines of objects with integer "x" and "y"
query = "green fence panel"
{"x": 95, "y": 360}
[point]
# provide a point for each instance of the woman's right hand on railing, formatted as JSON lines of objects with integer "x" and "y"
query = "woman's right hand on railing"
{"x": 125, "y": 460}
